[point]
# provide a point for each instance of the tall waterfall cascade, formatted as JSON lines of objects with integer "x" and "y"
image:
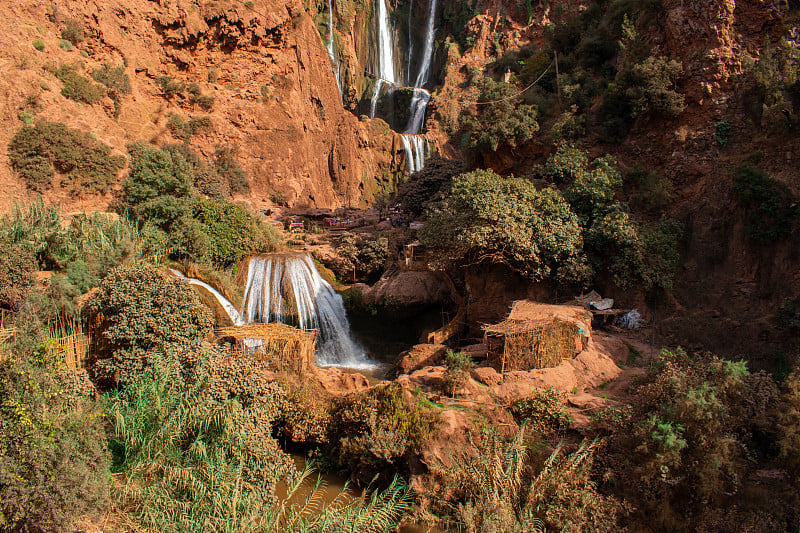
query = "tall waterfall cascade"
{"x": 337, "y": 71}
{"x": 288, "y": 288}
{"x": 414, "y": 143}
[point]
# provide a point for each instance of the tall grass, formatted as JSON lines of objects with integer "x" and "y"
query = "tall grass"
{"x": 184, "y": 462}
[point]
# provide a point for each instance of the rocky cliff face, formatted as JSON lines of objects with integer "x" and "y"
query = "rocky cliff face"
{"x": 276, "y": 102}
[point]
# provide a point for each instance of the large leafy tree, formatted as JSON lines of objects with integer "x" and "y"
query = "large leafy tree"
{"x": 509, "y": 221}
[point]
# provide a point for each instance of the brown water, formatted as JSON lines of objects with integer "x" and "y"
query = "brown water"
{"x": 332, "y": 489}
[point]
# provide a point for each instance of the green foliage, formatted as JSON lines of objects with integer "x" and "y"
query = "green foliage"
{"x": 491, "y": 218}
{"x": 169, "y": 87}
{"x": 456, "y": 374}
{"x": 722, "y": 131}
{"x": 788, "y": 422}
{"x": 183, "y": 130}
{"x": 73, "y": 31}
{"x": 17, "y": 268}
{"x": 196, "y": 96}
{"x": 375, "y": 429}
{"x": 227, "y": 166}
{"x": 116, "y": 81}
{"x": 233, "y": 231}
{"x": 187, "y": 460}
{"x": 65, "y": 45}
{"x": 430, "y": 184}
{"x": 653, "y": 192}
{"x": 143, "y": 311}
{"x": 494, "y": 490}
{"x": 501, "y": 119}
{"x": 38, "y": 44}
{"x": 692, "y": 423}
{"x": 360, "y": 257}
{"x": 769, "y": 205}
{"x": 544, "y": 411}
{"x": 77, "y": 87}
{"x": 157, "y": 187}
{"x": 83, "y": 163}
{"x": 53, "y": 463}
{"x": 776, "y": 80}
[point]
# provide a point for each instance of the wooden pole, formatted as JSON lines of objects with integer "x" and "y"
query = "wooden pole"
{"x": 558, "y": 81}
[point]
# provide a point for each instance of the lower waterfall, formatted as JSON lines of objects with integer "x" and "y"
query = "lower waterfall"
{"x": 288, "y": 288}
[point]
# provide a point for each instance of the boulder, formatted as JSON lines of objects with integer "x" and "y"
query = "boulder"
{"x": 419, "y": 356}
{"x": 406, "y": 288}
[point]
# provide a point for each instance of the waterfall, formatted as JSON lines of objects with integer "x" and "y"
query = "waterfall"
{"x": 229, "y": 308}
{"x": 373, "y": 103}
{"x": 331, "y": 51}
{"x": 416, "y": 115}
{"x": 288, "y": 288}
{"x": 385, "y": 45}
{"x": 410, "y": 40}
{"x": 427, "y": 51}
{"x": 416, "y": 148}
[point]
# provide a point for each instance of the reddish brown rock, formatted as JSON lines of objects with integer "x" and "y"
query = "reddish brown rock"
{"x": 419, "y": 356}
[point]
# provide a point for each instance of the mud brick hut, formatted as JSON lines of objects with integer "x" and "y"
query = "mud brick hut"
{"x": 537, "y": 336}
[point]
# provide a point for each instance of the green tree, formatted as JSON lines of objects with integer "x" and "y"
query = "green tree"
{"x": 490, "y": 218}
{"x": 501, "y": 119}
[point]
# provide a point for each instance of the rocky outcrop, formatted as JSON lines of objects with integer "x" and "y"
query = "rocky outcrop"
{"x": 405, "y": 288}
{"x": 275, "y": 97}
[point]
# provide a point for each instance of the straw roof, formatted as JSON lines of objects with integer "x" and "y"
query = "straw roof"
{"x": 266, "y": 332}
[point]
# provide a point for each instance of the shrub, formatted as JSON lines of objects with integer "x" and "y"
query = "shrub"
{"x": 77, "y": 87}
{"x": 456, "y": 374}
{"x": 789, "y": 422}
{"x": 501, "y": 120}
{"x": 543, "y": 411}
{"x": 694, "y": 418}
{"x": 507, "y": 221}
{"x": 169, "y": 87}
{"x": 233, "y": 231}
{"x": 65, "y": 45}
{"x": 38, "y": 44}
{"x": 188, "y": 461}
{"x": 375, "y": 429}
{"x": 157, "y": 187}
{"x": 114, "y": 78}
{"x": 53, "y": 464}
{"x": 430, "y": 184}
{"x": 769, "y": 205}
{"x": 17, "y": 267}
{"x": 227, "y": 166}
{"x": 73, "y": 32}
{"x": 360, "y": 257}
{"x": 653, "y": 191}
{"x": 722, "y": 131}
{"x": 183, "y": 130}
{"x": 144, "y": 311}
{"x": 84, "y": 163}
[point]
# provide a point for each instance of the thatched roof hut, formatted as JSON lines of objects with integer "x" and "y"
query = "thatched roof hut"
{"x": 282, "y": 347}
{"x": 537, "y": 336}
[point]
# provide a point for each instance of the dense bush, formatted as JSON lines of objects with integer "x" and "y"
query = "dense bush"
{"x": 430, "y": 184}
{"x": 73, "y": 32}
{"x": 144, "y": 311}
{"x": 157, "y": 187}
{"x": 227, "y": 166}
{"x": 509, "y": 221}
{"x": 17, "y": 266}
{"x": 183, "y": 129}
{"x": 770, "y": 210}
{"x": 456, "y": 374}
{"x": 360, "y": 257}
{"x": 53, "y": 462}
{"x": 233, "y": 231}
{"x": 544, "y": 411}
{"x": 116, "y": 81}
{"x": 694, "y": 420}
{"x": 189, "y": 461}
{"x": 83, "y": 163}
{"x": 375, "y": 429}
{"x": 77, "y": 87}
{"x": 501, "y": 119}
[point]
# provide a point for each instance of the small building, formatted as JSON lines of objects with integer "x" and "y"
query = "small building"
{"x": 537, "y": 336}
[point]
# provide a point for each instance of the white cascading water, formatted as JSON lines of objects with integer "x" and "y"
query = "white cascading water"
{"x": 415, "y": 145}
{"x": 288, "y": 288}
{"x": 229, "y": 308}
{"x": 385, "y": 56}
{"x": 331, "y": 51}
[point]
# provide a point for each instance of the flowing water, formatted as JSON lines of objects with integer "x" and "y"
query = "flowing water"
{"x": 288, "y": 288}
{"x": 229, "y": 308}
{"x": 331, "y": 51}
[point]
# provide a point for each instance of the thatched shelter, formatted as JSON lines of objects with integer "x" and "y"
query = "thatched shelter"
{"x": 537, "y": 336}
{"x": 282, "y": 347}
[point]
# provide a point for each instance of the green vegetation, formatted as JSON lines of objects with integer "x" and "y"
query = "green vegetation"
{"x": 145, "y": 312}
{"x": 116, "y": 81}
{"x": 73, "y": 32}
{"x": 65, "y": 45}
{"x": 53, "y": 459}
{"x": 722, "y": 132}
{"x": 77, "y": 87}
{"x": 83, "y": 164}
{"x": 227, "y": 166}
{"x": 501, "y": 119}
{"x": 430, "y": 184}
{"x": 196, "y": 96}
{"x": 770, "y": 210}
{"x": 169, "y": 87}
{"x": 233, "y": 231}
{"x": 360, "y": 257}
{"x": 38, "y": 44}
{"x": 544, "y": 411}
{"x": 183, "y": 130}
{"x": 456, "y": 374}
{"x": 16, "y": 272}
